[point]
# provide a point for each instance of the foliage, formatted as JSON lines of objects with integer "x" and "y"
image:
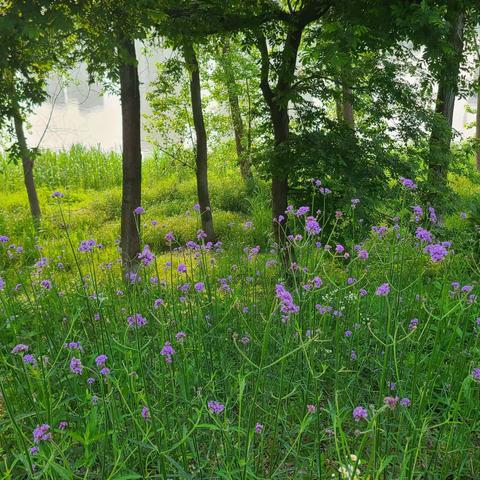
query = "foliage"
{"x": 237, "y": 373}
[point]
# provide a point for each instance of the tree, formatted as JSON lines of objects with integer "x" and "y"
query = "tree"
{"x": 108, "y": 30}
{"x": 477, "y": 121}
{"x": 277, "y": 98}
{"x": 131, "y": 154}
{"x": 232, "y": 88}
{"x": 448, "y": 78}
{"x": 36, "y": 39}
{"x": 201, "y": 151}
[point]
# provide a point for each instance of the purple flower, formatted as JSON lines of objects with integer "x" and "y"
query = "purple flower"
{"x": 302, "y": 211}
{"x": 63, "y": 425}
{"x": 139, "y": 211}
{"x": 348, "y": 333}
{"x": 360, "y": 413}
{"x": 423, "y": 235}
{"x": 146, "y": 256}
{"x": 167, "y": 351}
{"x": 158, "y": 303}
{"x": 363, "y": 254}
{"x": 339, "y": 248}
{"x": 476, "y": 374}
{"x": 216, "y": 407}
{"x": 383, "y": 290}
{"x": 286, "y": 301}
{"x": 311, "y": 226}
{"x": 391, "y": 402}
{"x": 436, "y": 251}
{"x": 57, "y": 195}
{"x": 29, "y": 359}
{"x": 407, "y": 183}
{"x": 87, "y": 245}
{"x": 169, "y": 238}
{"x": 405, "y": 402}
{"x": 355, "y": 202}
{"x": 413, "y": 324}
{"x": 258, "y": 428}
{"x": 353, "y": 355}
{"x": 380, "y": 231}
{"x": 136, "y": 320}
{"x": 76, "y": 366}
{"x": 34, "y": 450}
{"x": 362, "y": 292}
{"x": 311, "y": 408}
{"x": 41, "y": 433}
{"x": 432, "y": 215}
{"x": 182, "y": 268}
{"x": 180, "y": 336}
{"x": 101, "y": 360}
{"x": 199, "y": 287}
{"x": 21, "y": 347}
{"x": 74, "y": 346}
{"x": 418, "y": 212}
{"x": 46, "y": 284}
{"x": 145, "y": 412}
{"x": 105, "y": 371}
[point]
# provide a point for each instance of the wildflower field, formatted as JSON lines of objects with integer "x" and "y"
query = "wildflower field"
{"x": 211, "y": 361}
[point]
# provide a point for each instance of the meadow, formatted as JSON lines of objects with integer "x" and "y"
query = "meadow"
{"x": 212, "y": 362}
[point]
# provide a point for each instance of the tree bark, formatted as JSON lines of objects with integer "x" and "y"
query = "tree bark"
{"x": 477, "y": 120}
{"x": 27, "y": 165}
{"x": 131, "y": 157}
{"x": 235, "y": 113}
{"x": 278, "y": 108}
{"x": 441, "y": 134}
{"x": 347, "y": 107}
{"x": 201, "y": 153}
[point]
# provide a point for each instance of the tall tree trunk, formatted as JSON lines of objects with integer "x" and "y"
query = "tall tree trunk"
{"x": 201, "y": 154}
{"x": 237, "y": 123}
{"x": 347, "y": 107}
{"x": 131, "y": 157}
{"x": 441, "y": 134}
{"x": 477, "y": 119}
{"x": 27, "y": 165}
{"x": 278, "y": 108}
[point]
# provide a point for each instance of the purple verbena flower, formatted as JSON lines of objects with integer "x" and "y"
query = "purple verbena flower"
{"x": 41, "y": 433}
{"x": 360, "y": 413}
{"x": 21, "y": 347}
{"x": 383, "y": 290}
{"x": 101, "y": 360}
{"x": 76, "y": 366}
{"x": 216, "y": 407}
{"x": 167, "y": 351}
{"x": 136, "y": 320}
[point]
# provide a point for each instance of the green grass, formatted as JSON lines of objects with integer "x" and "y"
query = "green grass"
{"x": 289, "y": 388}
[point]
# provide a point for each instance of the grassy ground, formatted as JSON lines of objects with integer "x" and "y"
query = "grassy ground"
{"x": 354, "y": 366}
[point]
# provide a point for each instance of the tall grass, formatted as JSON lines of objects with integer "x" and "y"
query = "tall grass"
{"x": 241, "y": 370}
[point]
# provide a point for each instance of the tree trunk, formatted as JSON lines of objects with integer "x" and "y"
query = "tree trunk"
{"x": 278, "y": 108}
{"x": 201, "y": 154}
{"x": 347, "y": 107}
{"x": 131, "y": 157}
{"x": 27, "y": 164}
{"x": 235, "y": 113}
{"x": 441, "y": 134}
{"x": 477, "y": 118}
